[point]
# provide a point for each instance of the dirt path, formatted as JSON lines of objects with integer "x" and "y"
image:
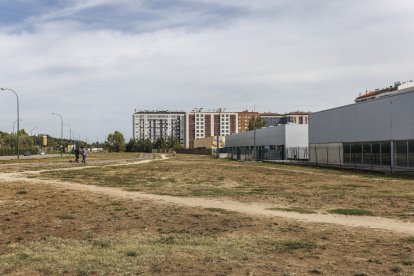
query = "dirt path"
{"x": 230, "y": 205}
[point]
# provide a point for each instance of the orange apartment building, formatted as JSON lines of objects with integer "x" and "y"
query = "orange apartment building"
{"x": 244, "y": 118}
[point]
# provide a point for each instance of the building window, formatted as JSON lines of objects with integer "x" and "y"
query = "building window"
{"x": 400, "y": 153}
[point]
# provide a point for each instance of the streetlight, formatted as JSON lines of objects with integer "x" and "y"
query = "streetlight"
{"x": 61, "y": 131}
{"x": 14, "y": 123}
{"x": 18, "y": 114}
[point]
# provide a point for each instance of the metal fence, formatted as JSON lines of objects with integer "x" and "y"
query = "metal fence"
{"x": 263, "y": 153}
{"x": 370, "y": 156}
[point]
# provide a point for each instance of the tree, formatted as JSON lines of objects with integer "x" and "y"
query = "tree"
{"x": 256, "y": 122}
{"x": 115, "y": 142}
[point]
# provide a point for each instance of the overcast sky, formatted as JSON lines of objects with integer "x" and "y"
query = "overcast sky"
{"x": 96, "y": 61}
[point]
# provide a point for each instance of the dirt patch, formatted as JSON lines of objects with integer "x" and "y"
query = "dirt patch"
{"x": 51, "y": 229}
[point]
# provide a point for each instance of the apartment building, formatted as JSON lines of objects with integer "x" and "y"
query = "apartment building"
{"x": 159, "y": 124}
{"x": 274, "y": 119}
{"x": 244, "y": 118}
{"x": 297, "y": 117}
{"x": 201, "y": 124}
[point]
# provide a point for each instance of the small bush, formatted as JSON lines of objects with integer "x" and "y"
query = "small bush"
{"x": 22, "y": 192}
{"x": 396, "y": 269}
{"x": 131, "y": 253}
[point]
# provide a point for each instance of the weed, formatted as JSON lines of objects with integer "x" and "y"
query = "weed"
{"x": 102, "y": 244}
{"x": 396, "y": 269}
{"x": 315, "y": 271}
{"x": 131, "y": 253}
{"x": 294, "y": 209}
{"x": 66, "y": 216}
{"x": 408, "y": 262}
{"x": 408, "y": 239}
{"x": 294, "y": 245}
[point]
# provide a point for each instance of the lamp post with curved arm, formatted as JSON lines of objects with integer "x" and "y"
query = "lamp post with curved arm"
{"x": 61, "y": 131}
{"x": 18, "y": 117}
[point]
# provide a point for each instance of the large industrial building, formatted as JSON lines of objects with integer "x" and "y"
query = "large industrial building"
{"x": 376, "y": 131}
{"x": 288, "y": 141}
{"x": 159, "y": 124}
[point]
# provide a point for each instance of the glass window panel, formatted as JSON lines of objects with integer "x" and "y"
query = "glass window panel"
{"x": 386, "y": 153}
{"x": 400, "y": 153}
{"x": 347, "y": 153}
{"x": 366, "y": 153}
{"x": 376, "y": 153}
{"x": 356, "y": 151}
{"x": 411, "y": 153}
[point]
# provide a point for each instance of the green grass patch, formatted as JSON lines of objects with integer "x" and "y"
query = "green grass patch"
{"x": 66, "y": 216}
{"x": 351, "y": 212}
{"x": 408, "y": 239}
{"x": 294, "y": 209}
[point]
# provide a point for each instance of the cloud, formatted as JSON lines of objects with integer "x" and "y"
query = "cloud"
{"x": 96, "y": 61}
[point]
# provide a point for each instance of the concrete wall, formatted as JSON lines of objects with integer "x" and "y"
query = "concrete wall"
{"x": 383, "y": 119}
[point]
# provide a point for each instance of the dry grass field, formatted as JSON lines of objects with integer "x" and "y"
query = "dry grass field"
{"x": 48, "y": 229}
{"x": 287, "y": 187}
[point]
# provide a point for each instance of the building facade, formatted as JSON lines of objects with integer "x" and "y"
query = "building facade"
{"x": 243, "y": 119}
{"x": 159, "y": 124}
{"x": 274, "y": 119}
{"x": 376, "y": 132}
{"x": 201, "y": 124}
{"x": 288, "y": 141}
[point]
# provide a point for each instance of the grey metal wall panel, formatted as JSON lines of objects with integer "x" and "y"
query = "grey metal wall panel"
{"x": 296, "y": 136}
{"x": 388, "y": 118}
{"x": 290, "y": 135}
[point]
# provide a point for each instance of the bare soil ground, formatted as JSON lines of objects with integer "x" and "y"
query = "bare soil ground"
{"x": 56, "y": 229}
{"x": 282, "y": 186}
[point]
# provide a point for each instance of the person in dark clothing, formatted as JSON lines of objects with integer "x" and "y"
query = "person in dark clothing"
{"x": 76, "y": 152}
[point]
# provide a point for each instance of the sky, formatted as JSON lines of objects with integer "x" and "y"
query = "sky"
{"x": 97, "y": 61}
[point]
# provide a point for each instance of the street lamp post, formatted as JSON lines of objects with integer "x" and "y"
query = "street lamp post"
{"x": 18, "y": 117}
{"x": 61, "y": 131}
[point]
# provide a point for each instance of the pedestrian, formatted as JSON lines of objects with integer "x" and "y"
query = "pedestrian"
{"x": 76, "y": 152}
{"x": 83, "y": 152}
{"x": 173, "y": 153}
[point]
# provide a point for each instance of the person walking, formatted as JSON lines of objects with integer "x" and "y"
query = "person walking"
{"x": 83, "y": 152}
{"x": 76, "y": 152}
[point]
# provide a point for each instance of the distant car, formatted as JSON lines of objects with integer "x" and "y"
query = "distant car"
{"x": 42, "y": 153}
{"x": 27, "y": 153}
